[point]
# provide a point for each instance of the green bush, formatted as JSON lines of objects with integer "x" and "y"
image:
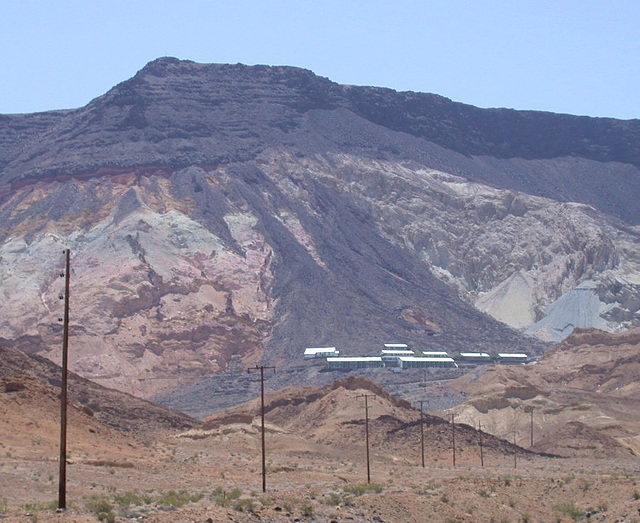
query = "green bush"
{"x": 102, "y": 508}
{"x": 570, "y": 510}
{"x": 177, "y": 499}
{"x": 308, "y": 510}
{"x": 244, "y": 505}
{"x": 132, "y": 497}
{"x": 364, "y": 488}
{"x": 334, "y": 499}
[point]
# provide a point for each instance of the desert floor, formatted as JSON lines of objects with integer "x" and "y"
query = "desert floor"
{"x": 218, "y": 478}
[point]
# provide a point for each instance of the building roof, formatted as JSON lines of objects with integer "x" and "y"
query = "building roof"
{"x": 434, "y": 360}
{"x": 353, "y": 359}
{"x": 474, "y": 355}
{"x": 512, "y": 355}
{"x": 396, "y": 351}
{"x": 315, "y": 350}
{"x": 434, "y": 353}
{"x": 395, "y": 345}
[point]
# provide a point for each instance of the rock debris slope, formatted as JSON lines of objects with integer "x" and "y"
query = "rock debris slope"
{"x": 223, "y": 214}
{"x": 583, "y": 394}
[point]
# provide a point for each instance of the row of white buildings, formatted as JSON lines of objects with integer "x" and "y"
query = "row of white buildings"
{"x": 398, "y": 355}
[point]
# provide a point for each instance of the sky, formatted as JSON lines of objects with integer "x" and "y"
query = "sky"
{"x": 565, "y": 56}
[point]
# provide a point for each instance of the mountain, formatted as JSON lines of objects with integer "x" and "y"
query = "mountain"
{"x": 333, "y": 417}
{"x": 226, "y": 215}
{"x": 582, "y": 393}
{"x": 32, "y": 384}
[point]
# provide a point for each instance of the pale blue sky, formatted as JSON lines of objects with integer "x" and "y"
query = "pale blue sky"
{"x": 577, "y": 57}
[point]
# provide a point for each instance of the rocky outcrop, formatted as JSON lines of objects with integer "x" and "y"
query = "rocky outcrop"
{"x": 222, "y": 214}
{"x": 582, "y": 394}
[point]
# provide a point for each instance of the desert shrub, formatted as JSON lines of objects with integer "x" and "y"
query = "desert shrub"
{"x": 223, "y": 498}
{"x": 570, "y": 510}
{"x": 308, "y": 510}
{"x": 235, "y": 493}
{"x": 244, "y": 505}
{"x": 334, "y": 499}
{"x": 177, "y": 499}
{"x": 38, "y": 507}
{"x": 102, "y": 508}
{"x": 364, "y": 488}
{"x": 132, "y": 497}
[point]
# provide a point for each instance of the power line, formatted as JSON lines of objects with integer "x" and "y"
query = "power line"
{"x": 531, "y": 426}
{"x": 366, "y": 431}
{"x": 261, "y": 368}
{"x": 481, "y": 448}
{"x": 62, "y": 483}
{"x": 421, "y": 432}
{"x": 453, "y": 437}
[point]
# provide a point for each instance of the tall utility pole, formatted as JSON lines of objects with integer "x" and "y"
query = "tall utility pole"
{"x": 481, "y": 450}
{"x": 366, "y": 431}
{"x": 453, "y": 437}
{"x": 264, "y": 461}
{"x": 421, "y": 432}
{"x": 62, "y": 483}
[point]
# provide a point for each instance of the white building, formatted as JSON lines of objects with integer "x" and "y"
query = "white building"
{"x": 475, "y": 357}
{"x": 392, "y": 355}
{"x": 435, "y": 354}
{"x": 320, "y": 352}
{"x": 356, "y": 362}
{"x": 515, "y": 358}
{"x": 414, "y": 362}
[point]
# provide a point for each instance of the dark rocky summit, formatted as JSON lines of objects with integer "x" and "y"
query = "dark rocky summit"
{"x": 225, "y": 213}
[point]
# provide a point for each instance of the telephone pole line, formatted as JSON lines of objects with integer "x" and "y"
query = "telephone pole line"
{"x": 481, "y": 449}
{"x": 261, "y": 368}
{"x": 531, "y": 426}
{"x": 366, "y": 431}
{"x": 62, "y": 482}
{"x": 421, "y": 432}
{"x": 453, "y": 437}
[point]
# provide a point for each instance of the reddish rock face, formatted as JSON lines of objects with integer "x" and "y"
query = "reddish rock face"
{"x": 219, "y": 216}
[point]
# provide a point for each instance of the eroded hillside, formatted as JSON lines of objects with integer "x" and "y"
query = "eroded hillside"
{"x": 220, "y": 216}
{"x": 582, "y": 394}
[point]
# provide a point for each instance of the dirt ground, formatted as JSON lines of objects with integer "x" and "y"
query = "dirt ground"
{"x": 218, "y": 478}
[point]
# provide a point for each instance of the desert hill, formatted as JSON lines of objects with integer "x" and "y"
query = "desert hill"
{"x": 333, "y": 419}
{"x": 36, "y": 380}
{"x": 224, "y": 215}
{"x": 30, "y": 426}
{"x": 315, "y": 466}
{"x": 583, "y": 394}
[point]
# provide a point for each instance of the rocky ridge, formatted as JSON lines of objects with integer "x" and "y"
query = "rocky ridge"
{"x": 582, "y": 394}
{"x": 219, "y": 214}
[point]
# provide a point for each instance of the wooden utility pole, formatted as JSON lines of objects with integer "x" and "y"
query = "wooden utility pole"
{"x": 422, "y": 432}
{"x": 366, "y": 431}
{"x": 531, "y": 426}
{"x": 62, "y": 482}
{"x": 515, "y": 450}
{"x": 453, "y": 437}
{"x": 481, "y": 449}
{"x": 261, "y": 368}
